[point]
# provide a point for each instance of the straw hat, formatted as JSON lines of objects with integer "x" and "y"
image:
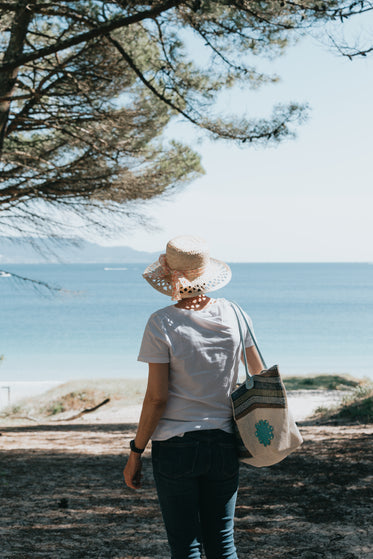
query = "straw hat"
{"x": 186, "y": 269}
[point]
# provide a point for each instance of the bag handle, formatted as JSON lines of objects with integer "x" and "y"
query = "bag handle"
{"x": 249, "y": 378}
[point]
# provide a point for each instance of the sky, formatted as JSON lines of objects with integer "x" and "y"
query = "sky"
{"x": 307, "y": 200}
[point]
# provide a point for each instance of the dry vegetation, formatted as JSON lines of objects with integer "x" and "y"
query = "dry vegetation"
{"x": 357, "y": 407}
{"x": 66, "y": 399}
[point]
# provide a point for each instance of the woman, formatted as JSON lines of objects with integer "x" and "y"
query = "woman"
{"x": 193, "y": 349}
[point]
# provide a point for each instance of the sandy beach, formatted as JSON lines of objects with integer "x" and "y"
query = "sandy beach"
{"x": 302, "y": 404}
{"x": 126, "y": 404}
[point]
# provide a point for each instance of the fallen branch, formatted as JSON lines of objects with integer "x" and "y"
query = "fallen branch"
{"x": 29, "y": 417}
{"x": 88, "y": 410}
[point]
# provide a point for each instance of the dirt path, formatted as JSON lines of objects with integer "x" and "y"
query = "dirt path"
{"x": 62, "y": 496}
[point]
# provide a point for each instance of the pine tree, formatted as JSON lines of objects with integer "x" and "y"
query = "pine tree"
{"x": 88, "y": 88}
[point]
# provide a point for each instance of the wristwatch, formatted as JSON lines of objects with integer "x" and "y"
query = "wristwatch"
{"x": 134, "y": 448}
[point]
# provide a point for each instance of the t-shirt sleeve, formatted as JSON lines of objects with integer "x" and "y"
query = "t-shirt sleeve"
{"x": 248, "y": 338}
{"x": 155, "y": 344}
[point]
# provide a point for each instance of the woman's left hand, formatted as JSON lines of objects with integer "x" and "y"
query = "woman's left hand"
{"x": 152, "y": 409}
{"x": 132, "y": 471}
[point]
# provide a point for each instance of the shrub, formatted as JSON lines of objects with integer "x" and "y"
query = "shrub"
{"x": 356, "y": 406}
{"x": 55, "y": 407}
{"x": 321, "y": 382}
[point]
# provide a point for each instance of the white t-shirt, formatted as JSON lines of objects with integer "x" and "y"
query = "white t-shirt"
{"x": 203, "y": 349}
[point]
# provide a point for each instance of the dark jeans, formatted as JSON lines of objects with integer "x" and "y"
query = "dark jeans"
{"x": 197, "y": 480}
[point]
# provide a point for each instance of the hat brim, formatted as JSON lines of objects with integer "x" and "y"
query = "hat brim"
{"x": 216, "y": 276}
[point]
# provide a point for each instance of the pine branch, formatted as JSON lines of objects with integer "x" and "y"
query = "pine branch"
{"x": 37, "y": 284}
{"x": 99, "y": 31}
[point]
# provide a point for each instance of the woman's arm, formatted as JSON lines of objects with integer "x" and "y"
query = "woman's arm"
{"x": 254, "y": 362}
{"x": 154, "y": 402}
{"x": 152, "y": 410}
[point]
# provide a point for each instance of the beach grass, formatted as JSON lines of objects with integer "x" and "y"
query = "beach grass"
{"x": 357, "y": 406}
{"x": 322, "y": 382}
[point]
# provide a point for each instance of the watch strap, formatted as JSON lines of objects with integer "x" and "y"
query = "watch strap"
{"x": 134, "y": 448}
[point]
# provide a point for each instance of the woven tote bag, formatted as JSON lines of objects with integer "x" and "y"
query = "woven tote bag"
{"x": 265, "y": 429}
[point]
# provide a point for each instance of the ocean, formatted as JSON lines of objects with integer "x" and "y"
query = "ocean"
{"x": 308, "y": 318}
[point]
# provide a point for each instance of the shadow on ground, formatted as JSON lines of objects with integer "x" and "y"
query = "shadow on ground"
{"x": 62, "y": 496}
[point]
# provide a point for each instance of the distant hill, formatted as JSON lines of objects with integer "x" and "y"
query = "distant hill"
{"x": 26, "y": 252}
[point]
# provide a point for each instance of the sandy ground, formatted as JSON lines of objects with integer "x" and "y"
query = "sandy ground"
{"x": 302, "y": 403}
{"x": 62, "y": 494}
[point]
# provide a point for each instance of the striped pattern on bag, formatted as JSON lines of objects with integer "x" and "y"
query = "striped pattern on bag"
{"x": 268, "y": 392}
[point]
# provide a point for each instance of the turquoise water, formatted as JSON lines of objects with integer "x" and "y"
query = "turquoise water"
{"x": 307, "y": 317}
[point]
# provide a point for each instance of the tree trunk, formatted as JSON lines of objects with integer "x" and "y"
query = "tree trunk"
{"x": 22, "y": 18}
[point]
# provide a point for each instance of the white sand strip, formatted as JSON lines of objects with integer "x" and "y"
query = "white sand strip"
{"x": 12, "y": 391}
{"x": 302, "y": 404}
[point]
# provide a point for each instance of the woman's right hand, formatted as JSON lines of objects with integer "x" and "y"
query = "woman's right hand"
{"x": 132, "y": 471}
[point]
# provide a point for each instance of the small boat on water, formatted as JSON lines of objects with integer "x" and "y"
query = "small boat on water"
{"x": 4, "y": 274}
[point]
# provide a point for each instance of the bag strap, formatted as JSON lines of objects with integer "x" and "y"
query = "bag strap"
{"x": 249, "y": 378}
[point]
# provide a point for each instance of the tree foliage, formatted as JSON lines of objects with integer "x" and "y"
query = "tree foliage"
{"x": 87, "y": 89}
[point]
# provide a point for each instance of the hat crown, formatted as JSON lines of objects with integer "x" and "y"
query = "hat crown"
{"x": 187, "y": 252}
